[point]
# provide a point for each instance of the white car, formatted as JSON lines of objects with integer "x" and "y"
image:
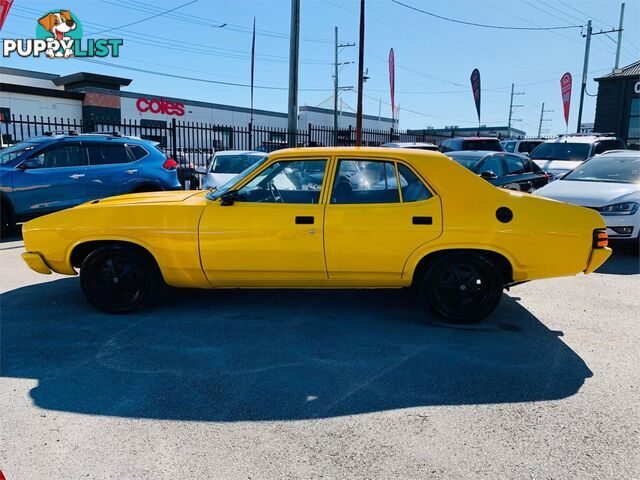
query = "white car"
{"x": 608, "y": 183}
{"x": 414, "y": 145}
{"x": 562, "y": 154}
{"x": 227, "y": 164}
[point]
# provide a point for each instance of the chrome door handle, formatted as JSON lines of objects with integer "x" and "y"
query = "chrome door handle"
{"x": 76, "y": 176}
{"x": 131, "y": 172}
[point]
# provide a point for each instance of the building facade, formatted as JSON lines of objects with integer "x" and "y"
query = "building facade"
{"x": 618, "y": 104}
{"x": 482, "y": 131}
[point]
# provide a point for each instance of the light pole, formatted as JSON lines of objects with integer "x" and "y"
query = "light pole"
{"x": 294, "y": 48}
{"x": 360, "y": 78}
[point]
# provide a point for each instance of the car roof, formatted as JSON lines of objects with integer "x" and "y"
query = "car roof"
{"x": 573, "y": 138}
{"x": 238, "y": 152}
{"x": 620, "y": 153}
{"x": 474, "y": 138}
{"x": 408, "y": 144}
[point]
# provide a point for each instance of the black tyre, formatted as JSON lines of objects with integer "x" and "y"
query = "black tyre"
{"x": 462, "y": 287}
{"x": 6, "y": 220}
{"x": 119, "y": 279}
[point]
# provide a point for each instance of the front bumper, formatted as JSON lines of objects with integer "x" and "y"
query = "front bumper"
{"x": 598, "y": 257}
{"x": 36, "y": 263}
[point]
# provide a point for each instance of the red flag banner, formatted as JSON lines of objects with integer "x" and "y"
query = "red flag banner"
{"x": 565, "y": 86}
{"x": 392, "y": 82}
{"x": 475, "y": 87}
{"x": 5, "y": 6}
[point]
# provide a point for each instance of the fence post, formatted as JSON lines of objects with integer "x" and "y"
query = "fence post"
{"x": 309, "y": 135}
{"x": 174, "y": 138}
{"x": 250, "y": 136}
{"x": 391, "y": 134}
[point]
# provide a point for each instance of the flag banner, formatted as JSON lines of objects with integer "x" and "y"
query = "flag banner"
{"x": 475, "y": 87}
{"x": 392, "y": 81}
{"x": 5, "y": 6}
{"x": 565, "y": 86}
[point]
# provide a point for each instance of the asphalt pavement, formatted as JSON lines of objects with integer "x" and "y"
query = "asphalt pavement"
{"x": 319, "y": 384}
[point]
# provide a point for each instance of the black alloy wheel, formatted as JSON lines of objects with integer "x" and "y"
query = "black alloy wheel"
{"x": 462, "y": 287}
{"x": 119, "y": 279}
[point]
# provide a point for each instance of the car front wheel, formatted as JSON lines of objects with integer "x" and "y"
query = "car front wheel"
{"x": 462, "y": 287}
{"x": 119, "y": 279}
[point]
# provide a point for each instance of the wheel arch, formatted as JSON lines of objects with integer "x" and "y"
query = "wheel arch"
{"x": 498, "y": 258}
{"x": 81, "y": 250}
{"x": 7, "y": 206}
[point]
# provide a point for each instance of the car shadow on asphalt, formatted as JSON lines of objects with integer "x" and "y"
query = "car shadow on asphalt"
{"x": 251, "y": 355}
{"x": 623, "y": 261}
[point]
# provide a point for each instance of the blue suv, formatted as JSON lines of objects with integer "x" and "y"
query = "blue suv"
{"x": 57, "y": 171}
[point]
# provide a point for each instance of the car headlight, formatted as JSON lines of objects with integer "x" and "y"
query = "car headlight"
{"x": 625, "y": 208}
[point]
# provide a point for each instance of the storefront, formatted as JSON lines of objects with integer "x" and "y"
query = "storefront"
{"x": 618, "y": 104}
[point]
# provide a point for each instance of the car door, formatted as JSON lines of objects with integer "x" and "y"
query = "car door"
{"x": 372, "y": 225}
{"x": 518, "y": 174}
{"x": 110, "y": 170}
{"x": 273, "y": 234}
{"x": 54, "y": 181}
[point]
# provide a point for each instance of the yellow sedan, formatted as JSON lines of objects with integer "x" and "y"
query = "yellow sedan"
{"x": 323, "y": 218}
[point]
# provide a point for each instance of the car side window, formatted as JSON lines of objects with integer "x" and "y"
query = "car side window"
{"x": 365, "y": 181}
{"x": 60, "y": 156}
{"x": 413, "y": 190}
{"x": 606, "y": 145}
{"x": 509, "y": 146}
{"x": 492, "y": 164}
{"x": 291, "y": 181}
{"x": 138, "y": 152}
{"x": 107, "y": 154}
{"x": 515, "y": 165}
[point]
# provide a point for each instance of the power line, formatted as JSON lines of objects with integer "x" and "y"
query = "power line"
{"x": 498, "y": 27}
{"x": 164, "y": 12}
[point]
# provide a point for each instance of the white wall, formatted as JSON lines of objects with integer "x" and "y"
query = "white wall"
{"x": 21, "y": 104}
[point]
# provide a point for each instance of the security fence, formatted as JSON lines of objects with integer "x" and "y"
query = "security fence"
{"x": 193, "y": 143}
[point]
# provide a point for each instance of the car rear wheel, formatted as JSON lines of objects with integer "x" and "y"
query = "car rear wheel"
{"x": 462, "y": 287}
{"x": 6, "y": 221}
{"x": 119, "y": 279}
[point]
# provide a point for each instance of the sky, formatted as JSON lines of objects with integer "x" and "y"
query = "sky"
{"x": 434, "y": 57}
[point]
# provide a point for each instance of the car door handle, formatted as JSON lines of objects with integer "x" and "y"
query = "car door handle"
{"x": 422, "y": 220}
{"x": 305, "y": 220}
{"x": 76, "y": 176}
{"x": 132, "y": 171}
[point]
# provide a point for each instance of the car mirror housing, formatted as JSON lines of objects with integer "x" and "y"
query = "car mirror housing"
{"x": 31, "y": 163}
{"x": 229, "y": 198}
{"x": 488, "y": 175}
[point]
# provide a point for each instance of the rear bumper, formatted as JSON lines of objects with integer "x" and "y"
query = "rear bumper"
{"x": 36, "y": 262}
{"x": 598, "y": 257}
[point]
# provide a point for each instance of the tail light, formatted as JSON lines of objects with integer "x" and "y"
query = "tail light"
{"x": 170, "y": 164}
{"x": 546, "y": 176}
{"x": 600, "y": 238}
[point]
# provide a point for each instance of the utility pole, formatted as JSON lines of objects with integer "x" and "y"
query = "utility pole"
{"x": 619, "y": 35}
{"x": 586, "y": 60}
{"x": 294, "y": 48}
{"x": 511, "y": 107}
{"x": 542, "y": 119}
{"x": 336, "y": 83}
{"x": 360, "y": 78}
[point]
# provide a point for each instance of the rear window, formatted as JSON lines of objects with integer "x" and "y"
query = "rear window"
{"x": 527, "y": 147}
{"x": 606, "y": 145}
{"x": 485, "y": 145}
{"x": 561, "y": 151}
{"x": 233, "y": 163}
{"x": 138, "y": 152}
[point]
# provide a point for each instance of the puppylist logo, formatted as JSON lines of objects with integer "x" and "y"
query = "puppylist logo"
{"x": 59, "y": 35}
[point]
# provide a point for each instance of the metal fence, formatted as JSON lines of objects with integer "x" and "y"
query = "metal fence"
{"x": 193, "y": 143}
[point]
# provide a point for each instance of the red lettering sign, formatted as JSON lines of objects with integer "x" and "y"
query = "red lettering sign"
{"x": 161, "y": 106}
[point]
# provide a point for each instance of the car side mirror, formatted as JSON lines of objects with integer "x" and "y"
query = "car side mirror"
{"x": 31, "y": 163}
{"x": 488, "y": 175}
{"x": 229, "y": 198}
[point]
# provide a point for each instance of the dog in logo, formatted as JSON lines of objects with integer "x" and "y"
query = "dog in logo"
{"x": 58, "y": 24}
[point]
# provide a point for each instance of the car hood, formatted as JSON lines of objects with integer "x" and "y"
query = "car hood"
{"x": 557, "y": 166}
{"x": 146, "y": 197}
{"x": 590, "y": 194}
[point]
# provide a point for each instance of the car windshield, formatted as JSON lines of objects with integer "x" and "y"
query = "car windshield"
{"x": 485, "y": 145}
{"x": 11, "y": 153}
{"x": 561, "y": 151}
{"x": 233, "y": 163}
{"x": 241, "y": 176}
{"x": 466, "y": 161}
{"x": 607, "y": 169}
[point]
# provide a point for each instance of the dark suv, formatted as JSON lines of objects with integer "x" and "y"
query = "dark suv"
{"x": 458, "y": 144}
{"x": 57, "y": 171}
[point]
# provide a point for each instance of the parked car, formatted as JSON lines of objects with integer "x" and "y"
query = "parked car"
{"x": 523, "y": 147}
{"x": 225, "y": 165}
{"x": 441, "y": 228}
{"x": 414, "y": 145}
{"x": 559, "y": 155}
{"x": 506, "y": 170}
{"x": 610, "y": 184}
{"x": 457, "y": 144}
{"x": 58, "y": 171}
